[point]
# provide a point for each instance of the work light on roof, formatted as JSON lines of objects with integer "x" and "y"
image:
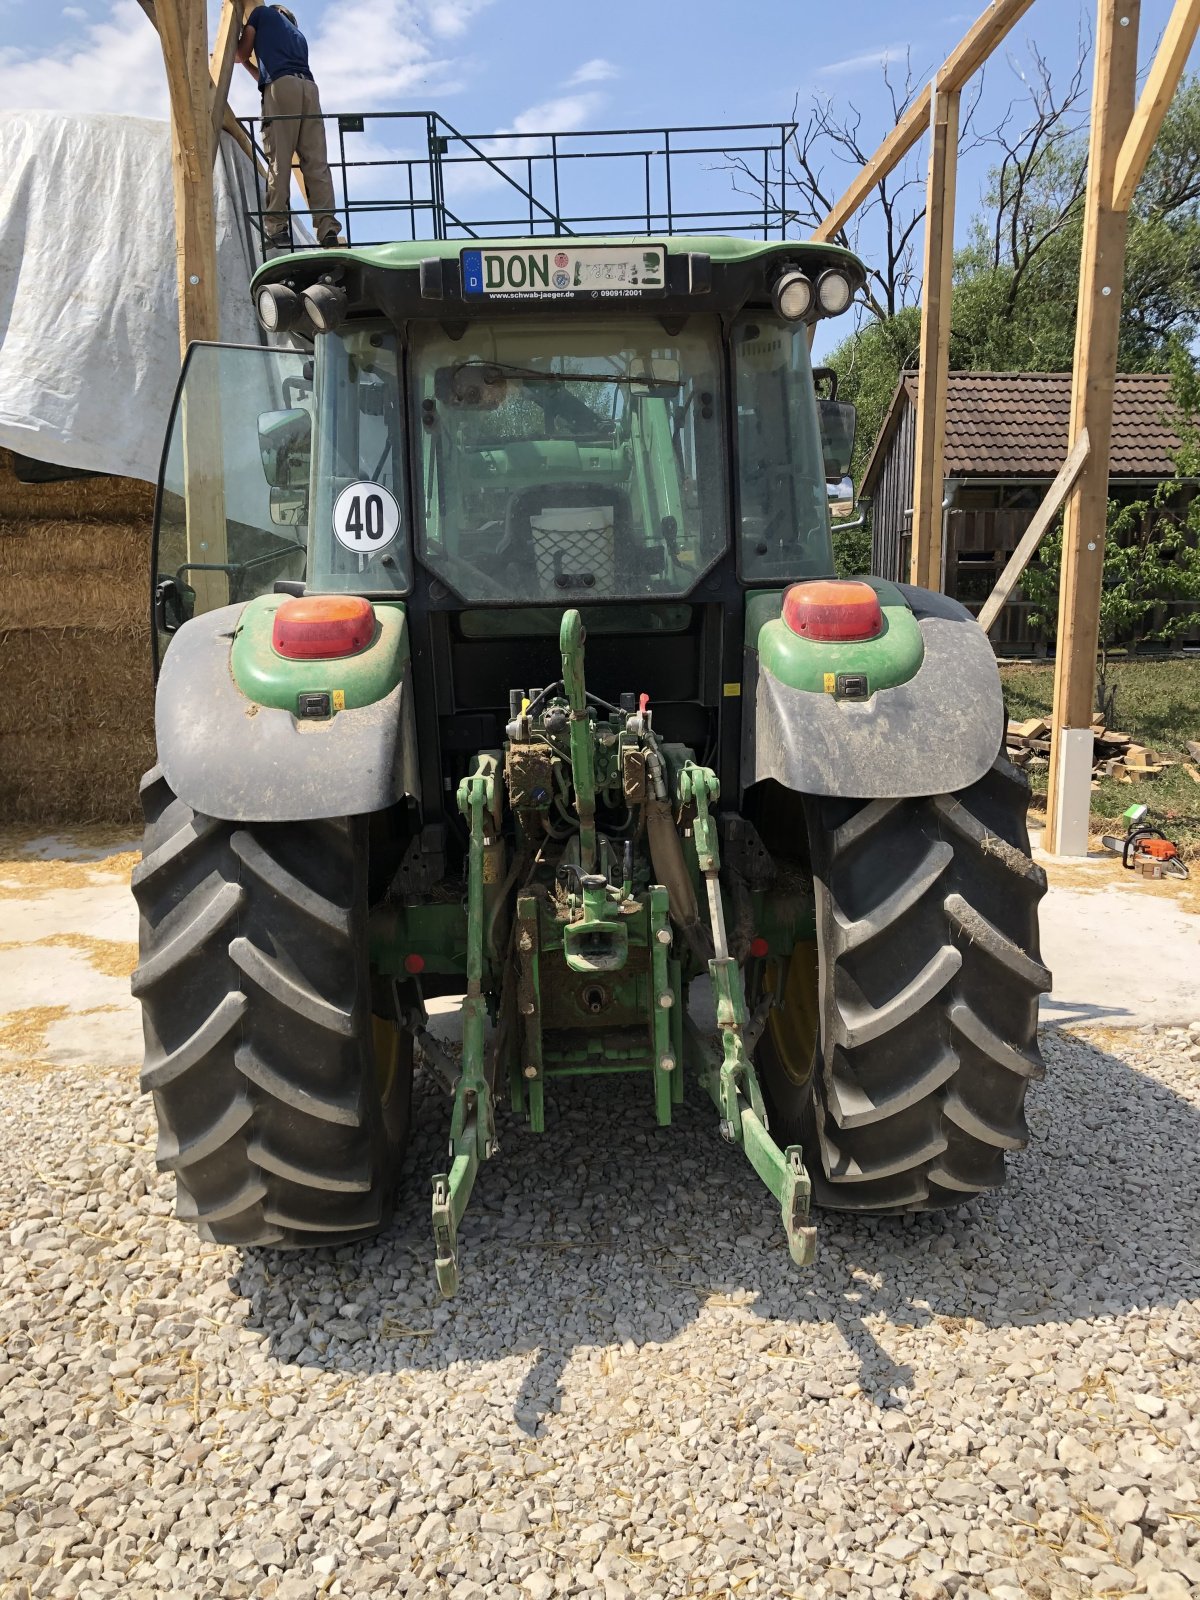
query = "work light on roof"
{"x": 793, "y": 296}
{"x": 279, "y": 307}
{"x": 834, "y": 293}
{"x": 326, "y": 306}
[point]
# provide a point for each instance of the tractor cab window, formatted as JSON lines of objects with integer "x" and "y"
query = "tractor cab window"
{"x": 570, "y": 461}
{"x": 359, "y": 539}
{"x": 781, "y": 467}
{"x": 232, "y": 511}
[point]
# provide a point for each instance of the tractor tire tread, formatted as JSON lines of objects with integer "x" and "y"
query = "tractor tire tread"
{"x": 256, "y": 1005}
{"x": 930, "y": 976}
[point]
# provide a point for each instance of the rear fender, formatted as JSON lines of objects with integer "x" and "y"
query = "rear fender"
{"x": 934, "y": 733}
{"x": 229, "y": 754}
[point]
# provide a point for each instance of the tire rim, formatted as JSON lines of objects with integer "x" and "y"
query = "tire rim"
{"x": 793, "y": 1024}
{"x": 385, "y": 1037}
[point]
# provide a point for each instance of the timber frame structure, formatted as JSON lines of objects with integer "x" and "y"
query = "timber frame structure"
{"x": 1122, "y": 136}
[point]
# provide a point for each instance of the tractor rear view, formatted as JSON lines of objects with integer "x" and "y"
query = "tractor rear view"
{"x": 501, "y": 657}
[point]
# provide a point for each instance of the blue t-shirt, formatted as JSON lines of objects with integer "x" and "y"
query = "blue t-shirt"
{"x": 281, "y": 48}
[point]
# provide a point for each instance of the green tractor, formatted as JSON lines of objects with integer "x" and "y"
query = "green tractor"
{"x": 501, "y": 657}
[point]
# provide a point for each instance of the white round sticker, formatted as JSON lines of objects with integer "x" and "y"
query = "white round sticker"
{"x": 366, "y": 518}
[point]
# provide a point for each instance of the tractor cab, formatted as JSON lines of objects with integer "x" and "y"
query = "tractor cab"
{"x": 492, "y": 432}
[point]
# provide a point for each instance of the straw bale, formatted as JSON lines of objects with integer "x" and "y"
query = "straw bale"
{"x": 55, "y": 574}
{"x": 74, "y": 680}
{"x": 102, "y": 499}
{"x": 86, "y": 779}
{"x": 76, "y": 723}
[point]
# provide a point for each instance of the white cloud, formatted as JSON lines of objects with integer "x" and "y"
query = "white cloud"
{"x": 115, "y": 65}
{"x": 365, "y": 53}
{"x": 597, "y": 70}
{"x": 561, "y": 115}
{"x": 370, "y": 52}
{"x": 450, "y": 18}
{"x": 76, "y": 13}
{"x": 872, "y": 58}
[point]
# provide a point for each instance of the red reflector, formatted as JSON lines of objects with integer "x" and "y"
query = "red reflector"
{"x": 833, "y": 608}
{"x": 759, "y": 946}
{"x": 316, "y": 627}
{"x": 414, "y": 964}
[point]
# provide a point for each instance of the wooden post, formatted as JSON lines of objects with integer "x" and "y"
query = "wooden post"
{"x": 229, "y": 123}
{"x": 929, "y": 466}
{"x": 220, "y": 68}
{"x": 1101, "y": 273}
{"x": 1161, "y": 83}
{"x": 183, "y": 31}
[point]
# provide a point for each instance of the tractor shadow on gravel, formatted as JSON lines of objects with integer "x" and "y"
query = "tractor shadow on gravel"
{"x": 608, "y": 1231}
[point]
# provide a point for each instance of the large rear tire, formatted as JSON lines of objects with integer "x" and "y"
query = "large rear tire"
{"x": 931, "y": 971}
{"x": 927, "y": 996}
{"x": 282, "y": 1100}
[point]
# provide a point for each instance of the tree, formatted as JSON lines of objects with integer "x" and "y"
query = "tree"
{"x": 824, "y": 154}
{"x": 868, "y": 365}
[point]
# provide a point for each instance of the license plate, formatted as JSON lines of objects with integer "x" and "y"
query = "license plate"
{"x": 565, "y": 272}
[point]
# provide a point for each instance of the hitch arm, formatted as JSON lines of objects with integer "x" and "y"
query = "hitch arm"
{"x": 472, "y": 1124}
{"x": 733, "y": 1086}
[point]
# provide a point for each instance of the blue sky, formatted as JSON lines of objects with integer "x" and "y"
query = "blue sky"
{"x": 524, "y": 65}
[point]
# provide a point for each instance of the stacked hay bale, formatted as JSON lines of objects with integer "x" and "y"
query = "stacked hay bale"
{"x": 76, "y": 694}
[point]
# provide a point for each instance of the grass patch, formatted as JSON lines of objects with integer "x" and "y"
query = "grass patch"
{"x": 1158, "y": 703}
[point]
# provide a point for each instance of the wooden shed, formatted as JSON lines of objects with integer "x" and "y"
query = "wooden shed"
{"x": 1006, "y": 438}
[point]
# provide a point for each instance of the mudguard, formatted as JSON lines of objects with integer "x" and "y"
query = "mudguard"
{"x": 936, "y": 733}
{"x": 232, "y": 757}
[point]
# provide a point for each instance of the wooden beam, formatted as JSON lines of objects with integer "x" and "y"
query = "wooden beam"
{"x": 925, "y": 567}
{"x": 183, "y": 32}
{"x": 972, "y": 50}
{"x": 1163, "y": 79}
{"x": 889, "y": 156}
{"x": 1035, "y": 532}
{"x": 229, "y": 123}
{"x": 988, "y": 30}
{"x": 1101, "y": 275}
{"x": 221, "y": 65}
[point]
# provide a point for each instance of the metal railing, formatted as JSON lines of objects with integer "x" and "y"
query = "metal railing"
{"x": 429, "y": 181}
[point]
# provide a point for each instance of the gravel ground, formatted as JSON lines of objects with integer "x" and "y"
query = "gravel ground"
{"x": 635, "y": 1393}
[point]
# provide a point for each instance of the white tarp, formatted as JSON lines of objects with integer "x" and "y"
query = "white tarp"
{"x": 89, "y": 329}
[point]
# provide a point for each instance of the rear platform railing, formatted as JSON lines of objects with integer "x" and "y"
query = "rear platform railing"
{"x": 413, "y": 175}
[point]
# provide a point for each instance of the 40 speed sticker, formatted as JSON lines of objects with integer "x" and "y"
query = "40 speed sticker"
{"x": 366, "y": 518}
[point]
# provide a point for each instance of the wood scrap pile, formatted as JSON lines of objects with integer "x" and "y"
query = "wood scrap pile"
{"x": 1114, "y": 755}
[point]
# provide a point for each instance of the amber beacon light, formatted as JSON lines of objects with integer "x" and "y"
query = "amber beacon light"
{"x": 833, "y": 608}
{"x": 321, "y": 626}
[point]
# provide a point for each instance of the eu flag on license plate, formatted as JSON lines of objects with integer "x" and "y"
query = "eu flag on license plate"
{"x": 472, "y": 271}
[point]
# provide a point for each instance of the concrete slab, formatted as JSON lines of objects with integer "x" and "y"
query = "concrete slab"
{"x": 1124, "y": 950}
{"x": 68, "y": 942}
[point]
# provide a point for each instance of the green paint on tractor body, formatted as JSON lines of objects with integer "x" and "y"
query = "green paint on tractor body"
{"x": 892, "y": 657}
{"x": 268, "y": 678}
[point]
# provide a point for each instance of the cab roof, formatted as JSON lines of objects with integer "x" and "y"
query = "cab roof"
{"x": 424, "y": 277}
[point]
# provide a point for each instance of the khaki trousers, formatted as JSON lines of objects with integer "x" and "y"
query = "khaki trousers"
{"x": 284, "y": 102}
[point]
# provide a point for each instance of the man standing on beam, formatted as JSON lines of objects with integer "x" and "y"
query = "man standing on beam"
{"x": 292, "y": 123}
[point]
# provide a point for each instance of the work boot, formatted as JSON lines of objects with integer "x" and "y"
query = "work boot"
{"x": 331, "y": 241}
